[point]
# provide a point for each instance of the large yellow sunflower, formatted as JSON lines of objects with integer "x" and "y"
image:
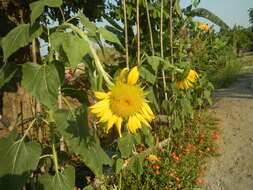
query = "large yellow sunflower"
{"x": 186, "y": 82}
{"x": 125, "y": 101}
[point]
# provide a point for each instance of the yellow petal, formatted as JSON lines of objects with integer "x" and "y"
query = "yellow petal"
{"x": 118, "y": 125}
{"x": 148, "y": 110}
{"x": 102, "y": 95}
{"x": 100, "y": 106}
{"x": 122, "y": 74}
{"x": 107, "y": 115}
{"x": 139, "y": 116}
{"x": 133, "y": 124}
{"x": 111, "y": 122}
{"x": 133, "y": 76}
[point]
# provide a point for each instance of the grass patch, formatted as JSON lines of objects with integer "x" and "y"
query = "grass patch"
{"x": 227, "y": 75}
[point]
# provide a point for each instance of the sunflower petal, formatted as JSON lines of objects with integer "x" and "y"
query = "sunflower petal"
{"x": 122, "y": 74}
{"x": 107, "y": 115}
{"x": 133, "y": 124}
{"x": 111, "y": 122}
{"x": 102, "y": 95}
{"x": 133, "y": 76}
{"x": 118, "y": 125}
{"x": 144, "y": 121}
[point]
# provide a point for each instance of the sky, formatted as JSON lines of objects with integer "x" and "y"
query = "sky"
{"x": 232, "y": 12}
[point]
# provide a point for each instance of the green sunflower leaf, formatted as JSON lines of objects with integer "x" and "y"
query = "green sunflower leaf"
{"x": 74, "y": 47}
{"x": 73, "y": 126}
{"x": 7, "y": 71}
{"x": 18, "y": 37}
{"x": 17, "y": 162}
{"x": 37, "y": 7}
{"x": 42, "y": 82}
{"x": 60, "y": 181}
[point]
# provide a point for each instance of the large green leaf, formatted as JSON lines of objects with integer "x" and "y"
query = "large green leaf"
{"x": 60, "y": 181}
{"x": 91, "y": 27}
{"x": 201, "y": 12}
{"x": 17, "y": 161}
{"x": 37, "y": 7}
{"x": 6, "y": 72}
{"x": 147, "y": 74}
{"x": 19, "y": 37}
{"x": 126, "y": 143}
{"x": 109, "y": 36}
{"x": 136, "y": 164}
{"x": 74, "y": 47}
{"x": 42, "y": 82}
{"x": 73, "y": 125}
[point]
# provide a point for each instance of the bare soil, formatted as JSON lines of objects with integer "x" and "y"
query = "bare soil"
{"x": 233, "y": 169}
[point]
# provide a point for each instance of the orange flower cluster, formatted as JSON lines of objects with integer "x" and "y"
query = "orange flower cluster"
{"x": 176, "y": 157}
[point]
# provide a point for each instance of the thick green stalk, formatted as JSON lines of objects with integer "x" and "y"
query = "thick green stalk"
{"x": 55, "y": 157}
{"x": 93, "y": 52}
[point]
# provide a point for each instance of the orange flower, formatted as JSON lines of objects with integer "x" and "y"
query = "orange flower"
{"x": 156, "y": 167}
{"x": 199, "y": 181}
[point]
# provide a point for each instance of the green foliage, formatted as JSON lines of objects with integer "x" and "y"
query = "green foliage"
{"x": 18, "y": 160}
{"x": 60, "y": 181}
{"x": 227, "y": 75}
{"x": 251, "y": 15}
{"x": 74, "y": 47}
{"x": 42, "y": 82}
{"x": 37, "y": 7}
{"x": 19, "y": 37}
{"x": 201, "y": 12}
{"x": 126, "y": 144}
{"x": 73, "y": 126}
{"x": 7, "y": 71}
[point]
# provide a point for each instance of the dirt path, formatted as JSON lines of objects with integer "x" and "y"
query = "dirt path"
{"x": 233, "y": 170}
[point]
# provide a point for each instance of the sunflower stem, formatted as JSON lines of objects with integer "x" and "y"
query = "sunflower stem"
{"x": 99, "y": 65}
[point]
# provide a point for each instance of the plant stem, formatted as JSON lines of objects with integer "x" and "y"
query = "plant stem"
{"x": 120, "y": 180}
{"x": 162, "y": 55}
{"x": 55, "y": 157}
{"x": 138, "y": 32}
{"x": 150, "y": 30}
{"x": 46, "y": 155}
{"x": 62, "y": 14}
{"x": 93, "y": 52}
{"x": 126, "y": 34}
{"x": 28, "y": 129}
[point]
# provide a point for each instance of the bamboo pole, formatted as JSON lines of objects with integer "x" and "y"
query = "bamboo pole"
{"x": 150, "y": 30}
{"x": 162, "y": 53}
{"x": 126, "y": 33}
{"x": 138, "y": 32}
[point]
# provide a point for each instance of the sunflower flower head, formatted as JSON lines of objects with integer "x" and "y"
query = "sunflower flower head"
{"x": 204, "y": 27}
{"x": 186, "y": 79}
{"x": 124, "y": 102}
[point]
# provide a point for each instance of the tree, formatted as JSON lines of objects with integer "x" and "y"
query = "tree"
{"x": 251, "y": 16}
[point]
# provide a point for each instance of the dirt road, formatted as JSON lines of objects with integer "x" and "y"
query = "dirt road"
{"x": 233, "y": 170}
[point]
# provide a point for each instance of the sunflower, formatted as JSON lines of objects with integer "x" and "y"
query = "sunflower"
{"x": 204, "y": 27}
{"x": 125, "y": 101}
{"x": 187, "y": 81}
